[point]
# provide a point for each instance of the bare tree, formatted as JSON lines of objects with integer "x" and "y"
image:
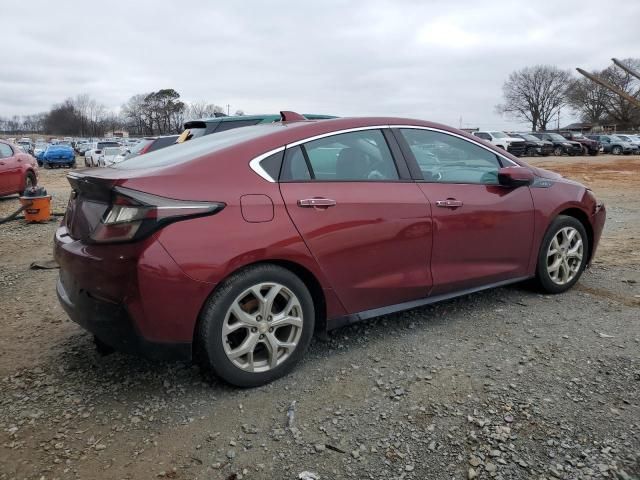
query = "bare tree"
{"x": 620, "y": 110}
{"x": 588, "y": 99}
{"x": 535, "y": 94}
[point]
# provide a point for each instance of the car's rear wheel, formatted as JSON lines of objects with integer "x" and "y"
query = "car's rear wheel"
{"x": 530, "y": 152}
{"x": 557, "y": 151}
{"x": 29, "y": 181}
{"x": 256, "y": 326}
{"x": 563, "y": 255}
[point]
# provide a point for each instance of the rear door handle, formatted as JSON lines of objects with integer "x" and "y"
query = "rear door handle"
{"x": 316, "y": 203}
{"x": 449, "y": 203}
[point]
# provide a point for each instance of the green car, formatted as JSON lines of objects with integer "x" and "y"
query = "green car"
{"x": 198, "y": 128}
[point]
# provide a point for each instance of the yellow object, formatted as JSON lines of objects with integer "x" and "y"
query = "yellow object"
{"x": 38, "y": 209}
{"x": 183, "y": 136}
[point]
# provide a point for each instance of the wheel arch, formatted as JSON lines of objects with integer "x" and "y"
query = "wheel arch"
{"x": 583, "y": 218}
{"x": 303, "y": 273}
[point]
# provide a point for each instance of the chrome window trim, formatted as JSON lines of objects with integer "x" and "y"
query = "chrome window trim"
{"x": 459, "y": 136}
{"x": 256, "y": 167}
{"x": 337, "y": 132}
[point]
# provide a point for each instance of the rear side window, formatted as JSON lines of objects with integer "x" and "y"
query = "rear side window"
{"x": 355, "y": 156}
{"x": 484, "y": 136}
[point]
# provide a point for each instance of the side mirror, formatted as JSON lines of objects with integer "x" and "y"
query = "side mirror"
{"x": 515, "y": 177}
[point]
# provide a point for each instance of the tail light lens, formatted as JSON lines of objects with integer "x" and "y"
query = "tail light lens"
{"x": 134, "y": 215}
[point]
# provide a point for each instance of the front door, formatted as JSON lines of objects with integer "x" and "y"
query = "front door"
{"x": 369, "y": 230}
{"x": 483, "y": 231}
{"x": 9, "y": 170}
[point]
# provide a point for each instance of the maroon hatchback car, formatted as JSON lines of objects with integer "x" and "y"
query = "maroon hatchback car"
{"x": 234, "y": 248}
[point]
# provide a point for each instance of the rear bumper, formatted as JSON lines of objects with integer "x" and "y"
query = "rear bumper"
{"x": 112, "y": 324}
{"x": 132, "y": 296}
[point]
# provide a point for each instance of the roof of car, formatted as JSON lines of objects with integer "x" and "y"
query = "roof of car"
{"x": 265, "y": 118}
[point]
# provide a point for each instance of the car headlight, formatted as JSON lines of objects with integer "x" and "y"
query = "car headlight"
{"x": 567, "y": 144}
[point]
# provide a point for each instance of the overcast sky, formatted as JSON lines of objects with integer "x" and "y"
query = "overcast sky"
{"x": 435, "y": 60}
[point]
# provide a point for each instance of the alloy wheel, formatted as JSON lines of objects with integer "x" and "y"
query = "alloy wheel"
{"x": 564, "y": 256}
{"x": 262, "y": 327}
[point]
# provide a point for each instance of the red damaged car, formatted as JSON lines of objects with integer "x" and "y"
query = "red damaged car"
{"x": 234, "y": 248}
{"x": 18, "y": 170}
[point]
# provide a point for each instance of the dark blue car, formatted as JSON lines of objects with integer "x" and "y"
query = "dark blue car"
{"x": 58, "y": 156}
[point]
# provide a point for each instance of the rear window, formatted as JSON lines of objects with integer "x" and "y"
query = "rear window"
{"x": 139, "y": 146}
{"x": 162, "y": 142}
{"x": 183, "y": 152}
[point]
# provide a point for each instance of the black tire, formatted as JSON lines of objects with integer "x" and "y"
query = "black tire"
{"x": 558, "y": 151}
{"x": 47, "y": 165}
{"x": 593, "y": 153}
{"x": 209, "y": 337}
{"x": 30, "y": 181}
{"x": 616, "y": 150}
{"x": 530, "y": 152}
{"x": 585, "y": 150}
{"x": 543, "y": 278}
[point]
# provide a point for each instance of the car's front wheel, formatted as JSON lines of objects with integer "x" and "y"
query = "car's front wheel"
{"x": 563, "y": 255}
{"x": 256, "y": 326}
{"x": 557, "y": 151}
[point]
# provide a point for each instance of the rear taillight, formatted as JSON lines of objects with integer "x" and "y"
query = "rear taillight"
{"x": 134, "y": 215}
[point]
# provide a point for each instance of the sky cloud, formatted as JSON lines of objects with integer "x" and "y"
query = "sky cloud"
{"x": 438, "y": 60}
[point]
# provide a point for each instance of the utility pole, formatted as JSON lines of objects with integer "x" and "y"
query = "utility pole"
{"x": 558, "y": 124}
{"x": 228, "y": 107}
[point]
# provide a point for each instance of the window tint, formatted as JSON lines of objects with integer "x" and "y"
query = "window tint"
{"x": 5, "y": 150}
{"x": 272, "y": 164}
{"x": 236, "y": 124}
{"x": 295, "y": 166}
{"x": 162, "y": 142}
{"x": 448, "y": 159}
{"x": 354, "y": 156}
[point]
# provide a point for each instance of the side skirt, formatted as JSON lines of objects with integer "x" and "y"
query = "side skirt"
{"x": 377, "y": 312}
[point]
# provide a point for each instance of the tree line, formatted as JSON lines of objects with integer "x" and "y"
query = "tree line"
{"x": 160, "y": 112}
{"x": 537, "y": 94}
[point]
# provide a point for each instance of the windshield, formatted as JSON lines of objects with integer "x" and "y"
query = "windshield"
{"x": 615, "y": 138}
{"x": 557, "y": 137}
{"x": 498, "y": 134}
{"x": 183, "y": 152}
{"x": 531, "y": 138}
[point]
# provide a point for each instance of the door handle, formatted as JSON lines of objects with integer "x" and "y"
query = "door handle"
{"x": 316, "y": 203}
{"x": 449, "y": 203}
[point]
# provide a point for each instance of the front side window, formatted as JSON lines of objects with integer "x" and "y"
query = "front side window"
{"x": 355, "y": 156}
{"x": 444, "y": 158}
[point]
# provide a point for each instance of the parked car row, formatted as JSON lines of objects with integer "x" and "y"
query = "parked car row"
{"x": 560, "y": 143}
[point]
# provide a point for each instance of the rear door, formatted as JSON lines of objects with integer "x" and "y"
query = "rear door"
{"x": 366, "y": 222}
{"x": 483, "y": 231}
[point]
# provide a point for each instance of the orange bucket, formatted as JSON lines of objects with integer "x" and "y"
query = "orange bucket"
{"x": 38, "y": 209}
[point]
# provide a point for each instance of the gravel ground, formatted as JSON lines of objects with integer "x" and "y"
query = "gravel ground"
{"x": 502, "y": 384}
